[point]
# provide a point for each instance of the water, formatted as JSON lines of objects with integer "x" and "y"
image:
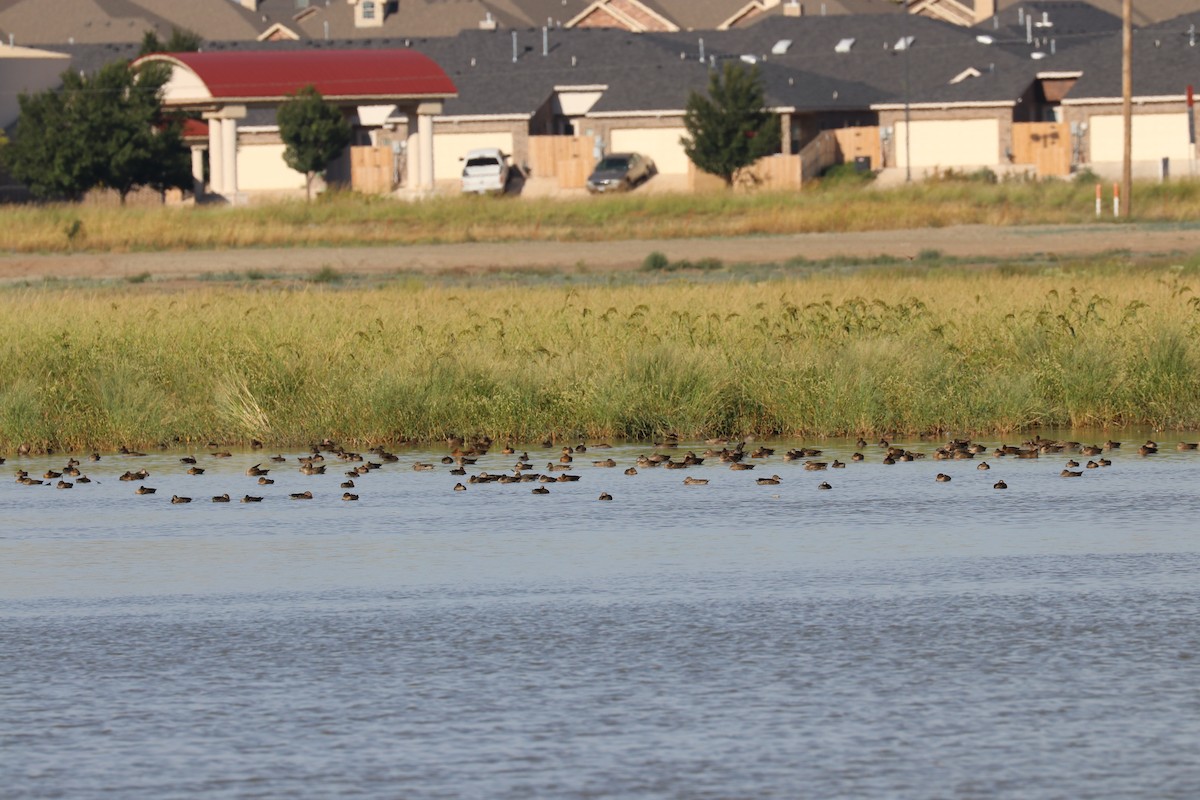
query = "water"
{"x": 892, "y": 637}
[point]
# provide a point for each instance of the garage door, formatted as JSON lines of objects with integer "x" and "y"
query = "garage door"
{"x": 448, "y": 148}
{"x": 1155, "y": 136}
{"x": 661, "y": 144}
{"x": 950, "y": 143}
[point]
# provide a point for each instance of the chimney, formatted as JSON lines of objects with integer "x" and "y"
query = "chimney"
{"x": 984, "y": 9}
{"x": 792, "y": 9}
{"x": 488, "y": 23}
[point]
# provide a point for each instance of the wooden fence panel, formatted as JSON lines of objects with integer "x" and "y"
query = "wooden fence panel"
{"x": 856, "y": 142}
{"x": 371, "y": 169}
{"x": 550, "y": 154}
{"x": 1046, "y": 145}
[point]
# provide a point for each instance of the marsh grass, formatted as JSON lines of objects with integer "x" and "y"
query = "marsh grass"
{"x": 947, "y": 349}
{"x": 349, "y": 219}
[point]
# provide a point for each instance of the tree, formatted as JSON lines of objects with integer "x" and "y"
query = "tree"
{"x": 181, "y": 40}
{"x": 314, "y": 131}
{"x": 101, "y": 130}
{"x": 730, "y": 129}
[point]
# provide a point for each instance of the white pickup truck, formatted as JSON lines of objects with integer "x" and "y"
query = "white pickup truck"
{"x": 485, "y": 171}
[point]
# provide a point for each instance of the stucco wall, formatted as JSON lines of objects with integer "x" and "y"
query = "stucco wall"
{"x": 261, "y": 168}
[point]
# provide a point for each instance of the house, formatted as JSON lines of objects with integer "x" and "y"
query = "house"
{"x": 23, "y": 70}
{"x": 234, "y": 88}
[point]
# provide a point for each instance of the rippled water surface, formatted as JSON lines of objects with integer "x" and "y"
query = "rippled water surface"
{"x": 891, "y": 637}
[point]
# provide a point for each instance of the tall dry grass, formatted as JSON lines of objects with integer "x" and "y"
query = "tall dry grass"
{"x": 347, "y": 219}
{"x": 875, "y": 351}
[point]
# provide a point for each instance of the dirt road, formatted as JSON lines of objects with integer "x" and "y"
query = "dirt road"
{"x": 965, "y": 241}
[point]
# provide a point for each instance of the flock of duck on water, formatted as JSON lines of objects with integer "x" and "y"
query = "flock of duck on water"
{"x": 464, "y": 454}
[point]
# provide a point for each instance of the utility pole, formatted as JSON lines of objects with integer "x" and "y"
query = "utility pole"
{"x": 907, "y": 104}
{"x": 1127, "y": 102}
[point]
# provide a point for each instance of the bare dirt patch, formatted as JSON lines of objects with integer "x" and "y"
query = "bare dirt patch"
{"x": 975, "y": 241}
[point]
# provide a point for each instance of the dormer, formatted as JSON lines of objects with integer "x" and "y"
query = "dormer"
{"x": 369, "y": 13}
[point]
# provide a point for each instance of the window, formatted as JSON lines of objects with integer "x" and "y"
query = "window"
{"x": 368, "y": 9}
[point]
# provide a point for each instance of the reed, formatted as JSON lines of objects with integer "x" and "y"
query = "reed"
{"x": 876, "y": 350}
{"x": 348, "y": 219}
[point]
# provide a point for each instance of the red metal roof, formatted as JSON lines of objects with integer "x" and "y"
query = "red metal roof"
{"x": 349, "y": 74}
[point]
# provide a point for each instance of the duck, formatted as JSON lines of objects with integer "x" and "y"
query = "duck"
{"x": 1187, "y": 445}
{"x": 608, "y": 462}
{"x": 690, "y": 481}
{"x": 1104, "y": 462}
{"x": 222, "y": 454}
{"x": 813, "y": 466}
{"x": 177, "y": 500}
{"x": 774, "y": 480}
{"x": 942, "y": 478}
{"x": 631, "y": 471}
{"x": 256, "y": 470}
{"x": 1091, "y": 450}
{"x": 458, "y": 487}
{"x": 541, "y": 490}
{"x": 220, "y": 498}
{"x": 1072, "y": 463}
{"x": 861, "y": 443}
{"x": 195, "y": 471}
{"x": 567, "y": 478}
{"x": 312, "y": 469}
{"x": 824, "y": 485}
{"x": 1066, "y": 473}
{"x": 51, "y": 475}
{"x": 1111, "y": 445}
{"x": 308, "y": 495}
{"x": 349, "y": 497}
{"x": 1092, "y": 465}
{"x": 838, "y": 464}
{"x": 94, "y": 457}
{"x": 278, "y": 459}
{"x": 188, "y": 460}
{"x": 1147, "y": 449}
{"x": 604, "y": 496}
{"x": 251, "y": 499}
{"x": 63, "y": 485}
{"x": 857, "y": 457}
{"x": 347, "y": 485}
{"x": 422, "y": 467}
{"x": 144, "y": 490}
{"x": 266, "y": 481}
{"x": 999, "y": 485}
{"x": 983, "y": 465}
{"x": 740, "y": 465}
{"x": 552, "y": 467}
{"x": 83, "y": 479}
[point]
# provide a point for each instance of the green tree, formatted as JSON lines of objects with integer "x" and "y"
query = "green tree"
{"x": 181, "y": 40}
{"x": 730, "y": 128}
{"x": 101, "y": 130}
{"x": 314, "y": 131}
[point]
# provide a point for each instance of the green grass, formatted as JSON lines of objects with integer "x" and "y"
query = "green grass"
{"x": 348, "y": 219}
{"x": 908, "y": 348}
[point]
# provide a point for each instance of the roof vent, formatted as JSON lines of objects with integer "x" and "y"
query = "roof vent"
{"x": 781, "y": 47}
{"x": 904, "y": 42}
{"x": 749, "y": 59}
{"x": 1038, "y": 56}
{"x": 844, "y": 46}
{"x": 984, "y": 39}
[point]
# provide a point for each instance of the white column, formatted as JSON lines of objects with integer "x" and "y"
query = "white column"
{"x": 425, "y": 137}
{"x": 216, "y": 163}
{"x": 197, "y": 170}
{"x": 412, "y": 167}
{"x": 229, "y": 184}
